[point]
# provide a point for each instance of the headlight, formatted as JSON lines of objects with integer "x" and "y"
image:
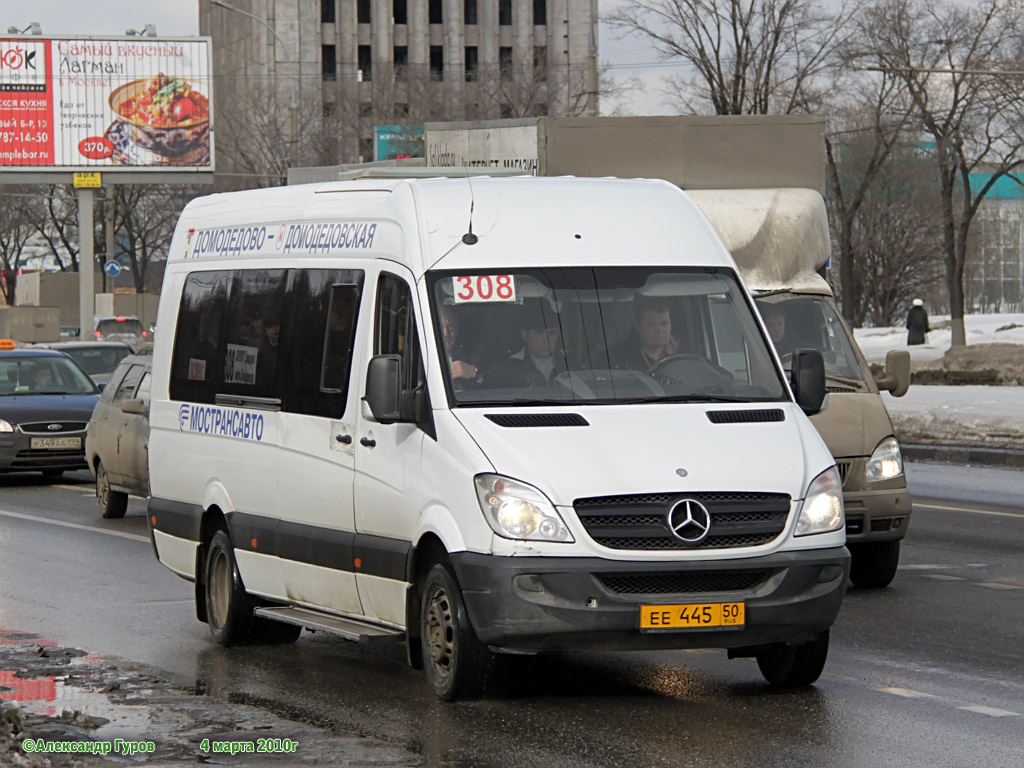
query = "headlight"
{"x": 5, "y": 426}
{"x": 886, "y": 462}
{"x": 519, "y": 511}
{"x": 822, "y": 510}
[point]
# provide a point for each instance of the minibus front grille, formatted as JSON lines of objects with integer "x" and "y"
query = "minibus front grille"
{"x": 641, "y": 521}
{"x": 843, "y": 465}
{"x": 684, "y": 583}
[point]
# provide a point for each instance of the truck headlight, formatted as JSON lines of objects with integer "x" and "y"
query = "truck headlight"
{"x": 822, "y": 509}
{"x": 5, "y": 426}
{"x": 516, "y": 510}
{"x": 886, "y": 462}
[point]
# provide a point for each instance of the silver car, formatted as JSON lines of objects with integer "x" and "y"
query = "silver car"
{"x": 117, "y": 438}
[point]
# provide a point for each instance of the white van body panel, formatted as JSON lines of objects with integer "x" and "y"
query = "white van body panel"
{"x": 176, "y": 553}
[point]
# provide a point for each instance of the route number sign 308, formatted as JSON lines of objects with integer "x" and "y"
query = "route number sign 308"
{"x": 483, "y": 288}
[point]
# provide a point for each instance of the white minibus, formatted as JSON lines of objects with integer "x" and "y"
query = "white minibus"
{"x": 487, "y": 415}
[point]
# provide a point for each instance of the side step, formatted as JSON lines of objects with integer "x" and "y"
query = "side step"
{"x": 351, "y": 629}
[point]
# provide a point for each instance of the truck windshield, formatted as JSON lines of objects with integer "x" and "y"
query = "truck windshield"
{"x": 599, "y": 336}
{"x": 805, "y": 321}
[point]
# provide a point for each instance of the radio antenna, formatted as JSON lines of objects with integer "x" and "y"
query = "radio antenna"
{"x": 469, "y": 238}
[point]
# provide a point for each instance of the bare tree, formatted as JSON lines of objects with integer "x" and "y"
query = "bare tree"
{"x": 58, "y": 225}
{"x": 948, "y": 58}
{"x": 752, "y": 57}
{"x": 144, "y": 220}
{"x": 19, "y": 209}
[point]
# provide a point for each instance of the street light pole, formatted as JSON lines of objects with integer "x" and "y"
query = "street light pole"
{"x": 294, "y": 106}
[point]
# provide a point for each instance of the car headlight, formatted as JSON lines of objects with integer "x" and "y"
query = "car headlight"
{"x": 886, "y": 461}
{"x": 516, "y": 510}
{"x": 5, "y": 426}
{"x": 822, "y": 510}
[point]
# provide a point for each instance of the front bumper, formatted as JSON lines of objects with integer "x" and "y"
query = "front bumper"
{"x": 876, "y": 515}
{"x": 18, "y": 455}
{"x": 567, "y": 603}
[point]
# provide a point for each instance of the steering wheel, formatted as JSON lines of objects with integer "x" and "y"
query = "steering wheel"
{"x": 695, "y": 371}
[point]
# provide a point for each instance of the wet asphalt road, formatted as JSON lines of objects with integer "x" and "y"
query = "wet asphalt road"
{"x": 929, "y": 672}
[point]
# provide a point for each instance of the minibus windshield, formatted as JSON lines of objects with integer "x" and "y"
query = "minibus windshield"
{"x": 810, "y": 321}
{"x": 599, "y": 336}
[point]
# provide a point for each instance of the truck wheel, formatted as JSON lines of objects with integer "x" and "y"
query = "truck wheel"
{"x": 228, "y": 607}
{"x": 873, "y": 565}
{"x": 112, "y": 503}
{"x": 456, "y": 662}
{"x": 790, "y": 666}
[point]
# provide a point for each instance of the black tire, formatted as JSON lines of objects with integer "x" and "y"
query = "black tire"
{"x": 791, "y": 666}
{"x": 113, "y": 504}
{"x": 457, "y": 664}
{"x": 873, "y": 565}
{"x": 53, "y": 472}
{"x": 228, "y": 607}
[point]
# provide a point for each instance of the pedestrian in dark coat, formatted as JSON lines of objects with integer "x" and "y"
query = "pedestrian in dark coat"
{"x": 917, "y": 323}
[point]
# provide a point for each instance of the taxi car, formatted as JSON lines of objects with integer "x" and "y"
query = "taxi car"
{"x": 117, "y": 438}
{"x": 46, "y": 400}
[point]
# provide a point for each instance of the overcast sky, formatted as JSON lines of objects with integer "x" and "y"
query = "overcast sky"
{"x": 181, "y": 17}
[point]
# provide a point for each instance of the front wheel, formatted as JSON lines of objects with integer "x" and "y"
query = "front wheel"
{"x": 791, "y": 666}
{"x": 112, "y": 503}
{"x": 228, "y": 607}
{"x": 456, "y": 662}
{"x": 873, "y": 565}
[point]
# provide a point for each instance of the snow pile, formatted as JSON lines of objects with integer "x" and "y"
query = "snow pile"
{"x": 987, "y": 417}
{"x": 994, "y": 353}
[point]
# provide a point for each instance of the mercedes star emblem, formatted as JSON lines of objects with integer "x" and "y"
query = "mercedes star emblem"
{"x": 689, "y": 521}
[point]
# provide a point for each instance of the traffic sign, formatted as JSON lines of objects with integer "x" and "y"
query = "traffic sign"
{"x": 112, "y": 268}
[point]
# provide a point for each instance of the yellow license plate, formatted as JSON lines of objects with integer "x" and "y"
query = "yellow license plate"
{"x": 692, "y": 616}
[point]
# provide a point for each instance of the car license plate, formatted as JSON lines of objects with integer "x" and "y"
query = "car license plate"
{"x": 56, "y": 443}
{"x": 655, "y": 618}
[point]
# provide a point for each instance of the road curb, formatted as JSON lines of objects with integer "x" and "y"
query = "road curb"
{"x": 964, "y": 454}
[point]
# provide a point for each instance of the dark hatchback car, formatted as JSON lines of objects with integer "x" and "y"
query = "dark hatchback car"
{"x": 46, "y": 400}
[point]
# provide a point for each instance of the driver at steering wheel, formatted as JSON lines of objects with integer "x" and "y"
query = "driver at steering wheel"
{"x": 651, "y": 340}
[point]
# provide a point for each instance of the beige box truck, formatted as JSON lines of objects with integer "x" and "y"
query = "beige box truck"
{"x": 760, "y": 181}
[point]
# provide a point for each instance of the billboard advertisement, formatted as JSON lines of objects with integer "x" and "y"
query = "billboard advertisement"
{"x": 397, "y": 141}
{"x": 88, "y": 104}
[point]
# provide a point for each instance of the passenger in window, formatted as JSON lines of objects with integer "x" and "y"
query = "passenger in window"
{"x": 541, "y": 359}
{"x": 266, "y": 358}
{"x": 462, "y": 363}
{"x": 651, "y": 340}
{"x": 775, "y": 320}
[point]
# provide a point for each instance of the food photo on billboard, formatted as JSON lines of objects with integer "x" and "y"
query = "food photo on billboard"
{"x": 105, "y": 103}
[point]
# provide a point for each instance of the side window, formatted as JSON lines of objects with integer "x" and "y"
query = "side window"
{"x": 395, "y": 328}
{"x": 127, "y": 385}
{"x": 322, "y": 305}
{"x": 112, "y": 385}
{"x": 255, "y": 325}
{"x": 142, "y": 393}
{"x": 198, "y": 353}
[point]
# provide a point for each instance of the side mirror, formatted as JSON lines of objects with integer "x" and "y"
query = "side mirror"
{"x": 808, "y": 380}
{"x": 383, "y": 388}
{"x": 897, "y": 373}
{"x": 137, "y": 407}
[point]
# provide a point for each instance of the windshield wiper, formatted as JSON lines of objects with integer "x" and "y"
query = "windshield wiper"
{"x": 684, "y": 399}
{"x": 516, "y": 402}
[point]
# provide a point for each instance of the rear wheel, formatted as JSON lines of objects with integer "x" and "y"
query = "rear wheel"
{"x": 112, "y": 503}
{"x": 228, "y": 607}
{"x": 456, "y": 662}
{"x": 791, "y": 666}
{"x": 873, "y": 565}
